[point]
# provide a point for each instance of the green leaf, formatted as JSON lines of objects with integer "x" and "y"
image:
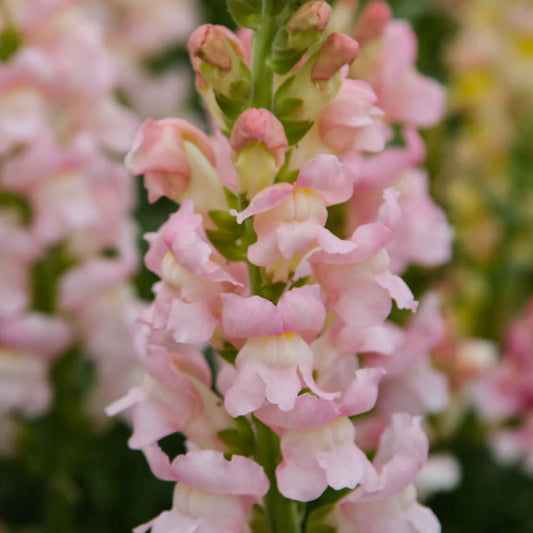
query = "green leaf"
{"x": 9, "y": 43}
{"x": 240, "y": 440}
{"x": 224, "y": 220}
{"x": 296, "y": 129}
{"x": 228, "y": 352}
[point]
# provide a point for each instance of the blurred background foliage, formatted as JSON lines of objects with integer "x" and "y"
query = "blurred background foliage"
{"x": 71, "y": 477}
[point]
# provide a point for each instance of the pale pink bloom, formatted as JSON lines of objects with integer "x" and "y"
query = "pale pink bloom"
{"x": 187, "y": 303}
{"x": 212, "y": 494}
{"x": 289, "y": 219}
{"x": 352, "y": 120}
{"x": 276, "y": 356}
{"x": 372, "y": 20}
{"x": 515, "y": 445}
{"x": 405, "y": 95}
{"x": 36, "y": 334}
{"x": 411, "y": 383}
{"x": 361, "y": 289}
{"x": 423, "y": 235}
{"x": 175, "y": 396}
{"x": 145, "y": 27}
{"x": 164, "y": 151}
{"x": 318, "y": 457}
{"x": 24, "y": 386}
{"x": 18, "y": 249}
{"x": 22, "y": 105}
{"x": 388, "y": 503}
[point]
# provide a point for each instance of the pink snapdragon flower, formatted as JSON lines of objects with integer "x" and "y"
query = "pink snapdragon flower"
{"x": 275, "y": 357}
{"x": 212, "y": 494}
{"x": 390, "y": 505}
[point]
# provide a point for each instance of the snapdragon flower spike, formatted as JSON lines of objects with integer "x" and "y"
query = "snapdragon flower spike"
{"x": 275, "y": 357}
{"x": 212, "y": 493}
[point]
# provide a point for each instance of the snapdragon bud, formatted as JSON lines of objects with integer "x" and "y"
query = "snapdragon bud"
{"x": 177, "y": 161}
{"x": 259, "y": 144}
{"x": 303, "y": 30}
{"x": 338, "y": 50}
{"x": 372, "y": 21}
{"x": 301, "y": 98}
{"x": 222, "y": 76}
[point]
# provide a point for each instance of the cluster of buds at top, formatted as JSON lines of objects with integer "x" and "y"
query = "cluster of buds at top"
{"x": 290, "y": 302}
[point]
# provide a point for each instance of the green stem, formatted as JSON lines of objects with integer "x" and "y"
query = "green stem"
{"x": 282, "y": 513}
{"x": 262, "y": 74}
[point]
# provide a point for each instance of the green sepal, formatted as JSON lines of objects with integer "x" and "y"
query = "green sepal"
{"x": 246, "y": 13}
{"x": 224, "y": 220}
{"x": 224, "y": 242}
{"x": 259, "y": 522}
{"x": 10, "y": 42}
{"x": 285, "y": 107}
{"x": 232, "y": 108}
{"x": 228, "y": 353}
{"x": 315, "y": 521}
{"x": 240, "y": 439}
{"x": 295, "y": 130}
{"x": 231, "y": 199}
{"x": 273, "y": 291}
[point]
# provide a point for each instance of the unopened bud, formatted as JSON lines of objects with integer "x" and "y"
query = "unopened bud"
{"x": 174, "y": 156}
{"x": 372, "y": 21}
{"x": 259, "y": 144}
{"x": 218, "y": 58}
{"x": 312, "y": 16}
{"x": 338, "y": 50}
{"x": 211, "y": 44}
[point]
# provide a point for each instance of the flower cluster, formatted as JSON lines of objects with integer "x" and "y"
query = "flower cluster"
{"x": 504, "y": 395}
{"x": 67, "y": 240}
{"x": 268, "y": 343}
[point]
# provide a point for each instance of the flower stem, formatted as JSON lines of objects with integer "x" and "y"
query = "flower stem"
{"x": 283, "y": 515}
{"x": 262, "y": 74}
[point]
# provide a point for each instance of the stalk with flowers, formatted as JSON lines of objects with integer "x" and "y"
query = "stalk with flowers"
{"x": 267, "y": 344}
